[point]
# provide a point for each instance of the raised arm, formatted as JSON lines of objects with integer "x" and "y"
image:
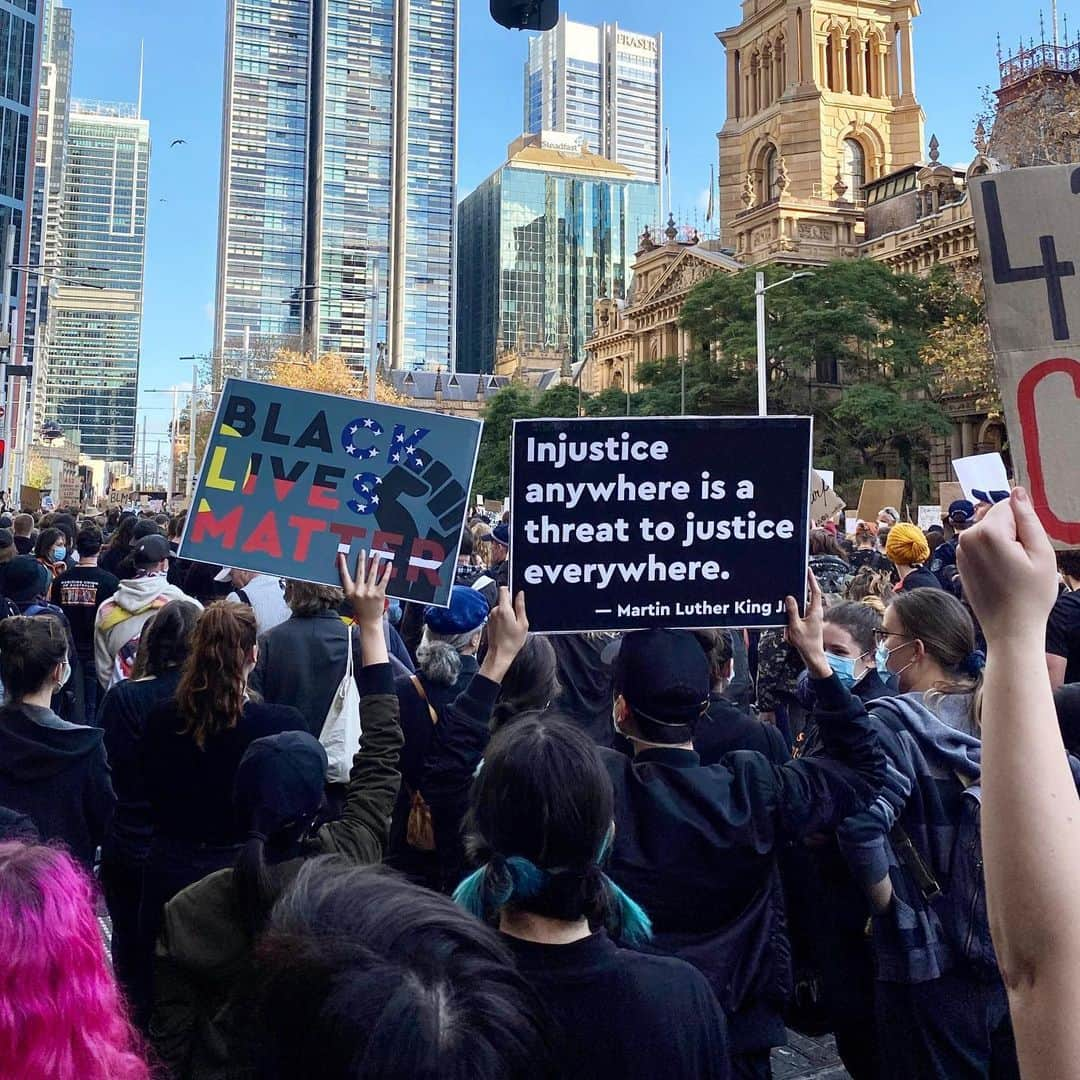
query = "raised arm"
{"x": 363, "y": 829}
{"x": 461, "y": 737}
{"x": 1030, "y": 810}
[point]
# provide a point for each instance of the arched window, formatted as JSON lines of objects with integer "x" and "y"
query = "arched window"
{"x": 616, "y": 380}
{"x": 873, "y": 71}
{"x": 769, "y": 189}
{"x": 854, "y": 169}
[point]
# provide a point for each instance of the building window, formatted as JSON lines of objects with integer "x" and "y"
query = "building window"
{"x": 854, "y": 169}
{"x": 769, "y": 189}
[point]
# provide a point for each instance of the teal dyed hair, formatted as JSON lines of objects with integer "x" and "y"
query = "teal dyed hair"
{"x": 498, "y": 883}
{"x": 634, "y": 925}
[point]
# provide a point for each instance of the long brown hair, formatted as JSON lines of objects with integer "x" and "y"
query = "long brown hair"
{"x": 211, "y": 693}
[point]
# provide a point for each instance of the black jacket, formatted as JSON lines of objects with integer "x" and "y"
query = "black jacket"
{"x": 696, "y": 846}
{"x": 56, "y": 773}
{"x": 726, "y": 728}
{"x": 586, "y": 683}
{"x": 302, "y": 662}
{"x": 122, "y": 717}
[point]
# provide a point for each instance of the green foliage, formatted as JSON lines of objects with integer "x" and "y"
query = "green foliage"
{"x": 515, "y": 402}
{"x": 493, "y": 464}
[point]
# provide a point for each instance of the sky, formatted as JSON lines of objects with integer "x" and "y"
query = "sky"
{"x": 955, "y": 52}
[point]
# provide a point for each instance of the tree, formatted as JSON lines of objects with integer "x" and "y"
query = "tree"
{"x": 958, "y": 349}
{"x": 329, "y": 374}
{"x": 1036, "y": 123}
{"x": 513, "y": 402}
{"x": 853, "y": 323}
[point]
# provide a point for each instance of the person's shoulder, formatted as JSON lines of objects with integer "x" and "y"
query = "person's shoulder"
{"x": 274, "y": 717}
{"x": 667, "y": 978}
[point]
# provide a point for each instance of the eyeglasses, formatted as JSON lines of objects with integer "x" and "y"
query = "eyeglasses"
{"x": 884, "y": 635}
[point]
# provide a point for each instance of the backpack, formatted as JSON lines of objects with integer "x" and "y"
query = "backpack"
{"x": 420, "y": 833}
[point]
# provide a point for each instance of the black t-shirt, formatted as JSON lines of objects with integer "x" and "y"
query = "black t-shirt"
{"x": 1063, "y": 633}
{"x": 626, "y": 1014}
{"x": 79, "y": 593}
{"x": 920, "y": 578}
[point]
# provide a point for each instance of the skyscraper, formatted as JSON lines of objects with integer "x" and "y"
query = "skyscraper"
{"x": 96, "y": 327}
{"x": 20, "y": 47}
{"x": 339, "y": 130}
{"x": 541, "y": 240}
{"x": 604, "y": 83}
{"x": 54, "y": 106}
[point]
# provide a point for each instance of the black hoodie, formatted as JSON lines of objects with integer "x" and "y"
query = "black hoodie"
{"x": 56, "y": 773}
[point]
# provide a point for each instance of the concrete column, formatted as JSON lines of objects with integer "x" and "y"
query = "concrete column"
{"x": 967, "y": 439}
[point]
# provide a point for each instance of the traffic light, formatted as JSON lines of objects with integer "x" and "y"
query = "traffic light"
{"x": 525, "y": 14}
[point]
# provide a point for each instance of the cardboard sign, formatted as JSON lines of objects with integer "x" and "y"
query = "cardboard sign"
{"x": 929, "y": 515}
{"x": 292, "y": 477}
{"x": 876, "y": 495}
{"x": 828, "y": 475}
{"x": 1028, "y": 229}
{"x": 948, "y": 493}
{"x": 636, "y": 523}
{"x": 824, "y": 502}
{"x": 29, "y": 498}
{"x": 983, "y": 477}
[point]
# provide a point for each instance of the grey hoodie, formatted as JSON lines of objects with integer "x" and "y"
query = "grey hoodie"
{"x": 122, "y": 617}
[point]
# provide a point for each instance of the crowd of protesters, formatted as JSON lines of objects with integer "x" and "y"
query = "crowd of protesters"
{"x": 587, "y": 855}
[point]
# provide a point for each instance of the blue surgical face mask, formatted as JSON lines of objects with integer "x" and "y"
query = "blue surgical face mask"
{"x": 881, "y": 659}
{"x": 59, "y": 554}
{"x": 843, "y": 668}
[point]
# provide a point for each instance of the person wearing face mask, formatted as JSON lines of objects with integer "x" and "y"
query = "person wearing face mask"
{"x": 940, "y": 1003}
{"x": 51, "y": 770}
{"x": 51, "y": 551}
{"x": 120, "y": 619}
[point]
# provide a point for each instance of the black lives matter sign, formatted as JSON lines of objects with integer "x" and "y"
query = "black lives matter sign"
{"x": 638, "y": 523}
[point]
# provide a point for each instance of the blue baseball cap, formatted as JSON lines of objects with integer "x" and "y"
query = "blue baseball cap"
{"x": 468, "y": 611}
{"x": 961, "y": 512}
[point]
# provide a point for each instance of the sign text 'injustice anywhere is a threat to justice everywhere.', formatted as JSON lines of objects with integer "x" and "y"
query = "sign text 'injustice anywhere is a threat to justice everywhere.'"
{"x": 687, "y": 522}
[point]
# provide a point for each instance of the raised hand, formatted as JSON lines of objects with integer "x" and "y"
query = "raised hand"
{"x": 507, "y": 631}
{"x": 806, "y": 632}
{"x": 366, "y": 594}
{"x": 1009, "y": 571}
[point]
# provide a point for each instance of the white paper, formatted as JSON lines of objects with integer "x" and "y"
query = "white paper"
{"x": 982, "y": 472}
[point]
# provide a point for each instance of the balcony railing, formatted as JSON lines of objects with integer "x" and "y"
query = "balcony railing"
{"x": 1044, "y": 57}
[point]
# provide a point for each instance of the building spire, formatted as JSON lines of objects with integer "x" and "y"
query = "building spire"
{"x": 142, "y": 55}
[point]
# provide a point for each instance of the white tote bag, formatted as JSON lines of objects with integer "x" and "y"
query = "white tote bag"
{"x": 340, "y": 735}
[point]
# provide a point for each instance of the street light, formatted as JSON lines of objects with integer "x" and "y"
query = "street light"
{"x": 760, "y": 289}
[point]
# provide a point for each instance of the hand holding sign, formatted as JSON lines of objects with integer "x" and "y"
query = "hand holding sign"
{"x": 507, "y": 632}
{"x": 807, "y": 632}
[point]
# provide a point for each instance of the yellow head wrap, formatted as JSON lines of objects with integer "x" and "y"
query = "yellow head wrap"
{"x": 907, "y": 545}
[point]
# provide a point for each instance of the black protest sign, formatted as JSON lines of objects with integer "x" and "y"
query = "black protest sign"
{"x": 647, "y": 522}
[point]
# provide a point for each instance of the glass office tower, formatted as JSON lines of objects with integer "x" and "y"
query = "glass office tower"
{"x": 603, "y": 83}
{"x": 540, "y": 241}
{"x": 96, "y": 331}
{"x": 338, "y": 173}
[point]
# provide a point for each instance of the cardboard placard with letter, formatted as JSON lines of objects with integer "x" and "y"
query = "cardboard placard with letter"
{"x": 1028, "y": 227}
{"x": 292, "y": 477}
{"x": 824, "y": 502}
{"x": 650, "y": 522}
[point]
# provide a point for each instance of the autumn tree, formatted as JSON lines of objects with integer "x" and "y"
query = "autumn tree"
{"x": 958, "y": 351}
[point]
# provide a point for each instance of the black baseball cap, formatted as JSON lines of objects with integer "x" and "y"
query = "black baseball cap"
{"x": 663, "y": 676}
{"x": 279, "y": 781}
{"x": 150, "y": 551}
{"x": 24, "y": 578}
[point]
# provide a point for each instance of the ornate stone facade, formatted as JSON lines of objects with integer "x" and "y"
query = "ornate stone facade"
{"x": 820, "y": 100}
{"x": 646, "y": 325}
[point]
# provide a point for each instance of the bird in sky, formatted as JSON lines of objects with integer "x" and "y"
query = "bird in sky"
{"x": 178, "y": 142}
{"x": 163, "y": 200}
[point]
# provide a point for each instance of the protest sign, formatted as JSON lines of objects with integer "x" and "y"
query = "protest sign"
{"x": 929, "y": 515}
{"x": 291, "y": 477}
{"x": 635, "y": 523}
{"x": 824, "y": 502}
{"x": 948, "y": 493}
{"x": 29, "y": 498}
{"x": 876, "y": 495}
{"x": 983, "y": 478}
{"x": 829, "y": 476}
{"x": 1028, "y": 232}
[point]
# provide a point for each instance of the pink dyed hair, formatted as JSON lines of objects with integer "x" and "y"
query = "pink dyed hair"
{"x": 61, "y": 1012}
